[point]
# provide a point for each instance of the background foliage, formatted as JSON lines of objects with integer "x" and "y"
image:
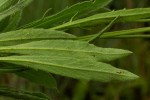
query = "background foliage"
{"x": 71, "y": 89}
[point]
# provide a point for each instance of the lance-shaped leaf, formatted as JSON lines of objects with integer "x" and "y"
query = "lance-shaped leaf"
{"x": 78, "y": 49}
{"x": 28, "y": 35}
{"x": 120, "y": 33}
{"x": 17, "y": 7}
{"x": 125, "y": 15}
{"x": 72, "y": 67}
{"x": 68, "y": 14}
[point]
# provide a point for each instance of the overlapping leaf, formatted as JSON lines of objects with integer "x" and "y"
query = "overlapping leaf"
{"x": 70, "y": 58}
{"x": 13, "y": 21}
{"x": 125, "y": 15}
{"x": 17, "y": 7}
{"x": 66, "y": 48}
{"x": 72, "y": 67}
{"x": 4, "y": 4}
{"x": 28, "y": 35}
{"x": 68, "y": 13}
{"x": 121, "y": 33}
{"x": 10, "y": 68}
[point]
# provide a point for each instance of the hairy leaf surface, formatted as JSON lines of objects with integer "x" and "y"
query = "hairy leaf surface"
{"x": 64, "y": 48}
{"x": 28, "y": 35}
{"x": 72, "y": 67}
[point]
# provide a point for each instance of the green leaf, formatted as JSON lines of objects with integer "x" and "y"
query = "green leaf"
{"x": 4, "y": 4}
{"x": 13, "y": 21}
{"x": 22, "y": 95}
{"x": 68, "y": 14}
{"x": 28, "y": 35}
{"x": 39, "y": 77}
{"x": 10, "y": 68}
{"x": 17, "y": 7}
{"x": 129, "y": 15}
{"x": 133, "y": 36}
{"x": 72, "y": 67}
{"x": 78, "y": 49}
{"x": 4, "y": 23}
{"x": 121, "y": 33}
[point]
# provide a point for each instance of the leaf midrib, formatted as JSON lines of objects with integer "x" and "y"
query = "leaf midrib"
{"x": 17, "y": 39}
{"x": 51, "y": 64}
{"x": 57, "y": 49}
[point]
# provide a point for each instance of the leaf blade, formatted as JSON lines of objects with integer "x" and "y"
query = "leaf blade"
{"x": 75, "y": 68}
{"x": 28, "y": 35}
{"x": 77, "y": 49}
{"x": 4, "y": 4}
{"x": 19, "y": 6}
{"x": 129, "y": 15}
{"x": 67, "y": 14}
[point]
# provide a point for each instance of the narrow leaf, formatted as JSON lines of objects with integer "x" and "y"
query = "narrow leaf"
{"x": 13, "y": 21}
{"x": 4, "y": 4}
{"x": 72, "y": 67}
{"x": 78, "y": 49}
{"x": 68, "y": 13}
{"x": 17, "y": 7}
{"x": 129, "y": 15}
{"x": 28, "y": 35}
{"x": 121, "y": 33}
{"x": 133, "y": 36}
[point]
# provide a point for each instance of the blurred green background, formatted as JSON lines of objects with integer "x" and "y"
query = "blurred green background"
{"x": 71, "y": 89}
